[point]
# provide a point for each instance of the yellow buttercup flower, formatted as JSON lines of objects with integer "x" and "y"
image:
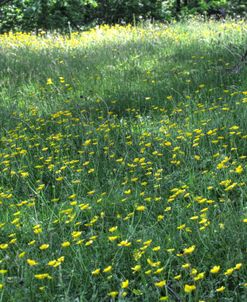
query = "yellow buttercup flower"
{"x": 21, "y": 255}
{"x": 112, "y": 238}
{"x": 4, "y": 246}
{"x": 125, "y": 284}
{"x": 96, "y": 272}
{"x": 220, "y": 289}
{"x": 44, "y": 247}
{"x": 136, "y": 268}
{"x": 199, "y": 276}
{"x": 189, "y": 250}
{"x": 164, "y": 298}
{"x": 113, "y": 294}
{"x": 239, "y": 169}
{"x": 42, "y": 276}
{"x": 113, "y": 229}
{"x": 49, "y": 81}
{"x": 124, "y": 243}
{"x": 141, "y": 208}
{"x": 107, "y": 269}
{"x": 215, "y": 269}
{"x": 32, "y": 262}
{"x": 65, "y": 244}
{"x": 238, "y": 266}
{"x": 229, "y": 272}
{"x": 178, "y": 277}
{"x": 189, "y": 288}
{"x": 161, "y": 283}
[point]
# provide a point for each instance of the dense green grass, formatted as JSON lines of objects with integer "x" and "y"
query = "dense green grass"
{"x": 134, "y": 158}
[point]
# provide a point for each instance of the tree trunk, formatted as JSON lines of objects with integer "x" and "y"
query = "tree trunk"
{"x": 43, "y": 15}
{"x": 178, "y": 6}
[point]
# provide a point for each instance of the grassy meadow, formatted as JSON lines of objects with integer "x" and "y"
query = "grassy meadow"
{"x": 123, "y": 164}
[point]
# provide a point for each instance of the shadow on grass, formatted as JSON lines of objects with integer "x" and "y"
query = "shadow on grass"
{"x": 137, "y": 74}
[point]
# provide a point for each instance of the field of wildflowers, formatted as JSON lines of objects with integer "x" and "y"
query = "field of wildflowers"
{"x": 122, "y": 164}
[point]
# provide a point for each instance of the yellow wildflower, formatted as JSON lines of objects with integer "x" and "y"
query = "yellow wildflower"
{"x": 49, "y": 81}
{"x": 113, "y": 294}
{"x": 112, "y": 229}
{"x": 125, "y": 284}
{"x": 141, "y": 208}
{"x": 65, "y": 244}
{"x": 239, "y": 169}
{"x": 161, "y": 283}
{"x": 22, "y": 254}
{"x": 124, "y": 243}
{"x": 189, "y": 288}
{"x": 220, "y": 289}
{"x": 238, "y": 266}
{"x": 107, "y": 269}
{"x": 44, "y": 247}
{"x": 136, "y": 268}
{"x": 199, "y": 276}
{"x": 229, "y": 272}
{"x": 189, "y": 250}
{"x": 32, "y": 262}
{"x": 42, "y": 276}
{"x": 96, "y": 272}
{"x": 215, "y": 269}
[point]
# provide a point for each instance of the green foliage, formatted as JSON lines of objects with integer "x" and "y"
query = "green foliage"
{"x": 112, "y": 11}
{"x": 29, "y": 15}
